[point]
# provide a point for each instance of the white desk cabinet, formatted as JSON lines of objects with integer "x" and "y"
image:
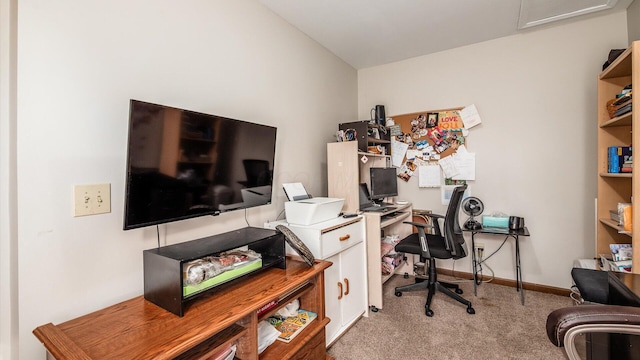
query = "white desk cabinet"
{"x": 341, "y": 241}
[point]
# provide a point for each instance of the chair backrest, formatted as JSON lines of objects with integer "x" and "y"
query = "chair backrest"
{"x": 454, "y": 239}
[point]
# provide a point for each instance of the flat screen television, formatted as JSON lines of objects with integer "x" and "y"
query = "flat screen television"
{"x": 183, "y": 164}
{"x": 384, "y": 183}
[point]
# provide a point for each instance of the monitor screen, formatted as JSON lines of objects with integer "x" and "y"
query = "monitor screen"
{"x": 384, "y": 183}
{"x": 182, "y": 164}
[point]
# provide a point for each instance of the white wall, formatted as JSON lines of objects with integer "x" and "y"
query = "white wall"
{"x": 79, "y": 63}
{"x": 536, "y": 148}
{"x": 633, "y": 21}
{"x": 8, "y": 218}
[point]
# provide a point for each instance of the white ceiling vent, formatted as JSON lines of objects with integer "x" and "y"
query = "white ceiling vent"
{"x": 538, "y": 12}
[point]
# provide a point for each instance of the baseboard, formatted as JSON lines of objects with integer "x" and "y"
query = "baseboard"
{"x": 508, "y": 282}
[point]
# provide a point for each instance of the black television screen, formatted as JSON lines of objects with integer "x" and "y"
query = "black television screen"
{"x": 182, "y": 164}
{"x": 384, "y": 183}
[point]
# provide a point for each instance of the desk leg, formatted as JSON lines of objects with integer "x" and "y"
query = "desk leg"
{"x": 474, "y": 264}
{"x": 519, "y": 285}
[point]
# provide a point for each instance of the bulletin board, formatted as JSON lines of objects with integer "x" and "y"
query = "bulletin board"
{"x": 432, "y": 145}
{"x": 442, "y": 129}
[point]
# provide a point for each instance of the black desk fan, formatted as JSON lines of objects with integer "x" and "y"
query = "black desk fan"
{"x": 473, "y": 207}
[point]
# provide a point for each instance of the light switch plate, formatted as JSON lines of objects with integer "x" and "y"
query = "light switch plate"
{"x": 91, "y": 199}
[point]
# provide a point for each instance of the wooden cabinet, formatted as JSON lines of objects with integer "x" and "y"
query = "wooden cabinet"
{"x": 380, "y": 225}
{"x": 342, "y": 242}
{"x": 138, "y": 329}
{"x": 368, "y": 134}
{"x": 614, "y": 188}
{"x": 346, "y": 169}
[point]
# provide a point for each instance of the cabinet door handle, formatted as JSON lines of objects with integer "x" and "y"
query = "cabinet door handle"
{"x": 346, "y": 282}
{"x": 340, "y": 286}
{"x": 345, "y": 237}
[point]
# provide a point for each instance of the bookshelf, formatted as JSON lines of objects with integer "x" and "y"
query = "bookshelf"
{"x": 614, "y": 188}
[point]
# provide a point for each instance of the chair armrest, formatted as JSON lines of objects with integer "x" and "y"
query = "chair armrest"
{"x": 434, "y": 219}
{"x": 424, "y": 245}
{"x": 562, "y": 320}
{"x": 418, "y": 224}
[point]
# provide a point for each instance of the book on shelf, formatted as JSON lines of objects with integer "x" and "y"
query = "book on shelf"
{"x": 291, "y": 326}
{"x": 615, "y": 106}
{"x": 621, "y": 252}
{"x": 268, "y": 306}
{"x": 618, "y": 157}
{"x": 615, "y": 216}
{"x": 622, "y": 110}
{"x": 609, "y": 264}
{"x": 622, "y": 265}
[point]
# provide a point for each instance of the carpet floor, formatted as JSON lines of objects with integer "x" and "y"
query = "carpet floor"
{"x": 501, "y": 328}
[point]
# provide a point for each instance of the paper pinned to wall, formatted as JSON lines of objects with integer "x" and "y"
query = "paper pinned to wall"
{"x": 429, "y": 175}
{"x": 470, "y": 116}
{"x": 465, "y": 163}
{"x": 398, "y": 150}
{"x": 448, "y": 167}
{"x": 412, "y": 154}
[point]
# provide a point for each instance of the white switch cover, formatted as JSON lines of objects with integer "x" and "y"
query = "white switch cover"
{"x": 91, "y": 199}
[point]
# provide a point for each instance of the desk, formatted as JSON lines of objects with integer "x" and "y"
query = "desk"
{"x": 515, "y": 234}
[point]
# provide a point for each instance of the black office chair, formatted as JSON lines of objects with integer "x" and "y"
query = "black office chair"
{"x": 449, "y": 244}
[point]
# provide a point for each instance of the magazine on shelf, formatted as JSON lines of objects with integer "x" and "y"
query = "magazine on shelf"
{"x": 291, "y": 326}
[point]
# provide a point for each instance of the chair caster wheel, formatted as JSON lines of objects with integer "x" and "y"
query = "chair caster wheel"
{"x": 398, "y": 293}
{"x": 459, "y": 291}
{"x": 429, "y": 313}
{"x": 406, "y": 275}
{"x": 374, "y": 309}
{"x": 470, "y": 310}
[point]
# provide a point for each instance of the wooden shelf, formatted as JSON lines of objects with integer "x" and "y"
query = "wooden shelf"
{"x": 377, "y": 141}
{"x": 622, "y": 120}
{"x": 614, "y": 225}
{"x": 374, "y": 155}
{"x": 137, "y": 329}
{"x": 621, "y": 66}
{"x": 377, "y": 229}
{"x": 399, "y": 218}
{"x": 617, "y": 175}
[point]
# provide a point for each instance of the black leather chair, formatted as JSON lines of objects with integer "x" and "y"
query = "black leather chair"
{"x": 607, "y": 328}
{"x": 447, "y": 244}
{"x": 596, "y": 331}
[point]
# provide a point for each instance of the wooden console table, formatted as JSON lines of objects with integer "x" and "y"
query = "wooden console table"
{"x": 138, "y": 329}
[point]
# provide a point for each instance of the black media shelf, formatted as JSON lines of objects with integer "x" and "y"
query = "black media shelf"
{"x": 163, "y": 279}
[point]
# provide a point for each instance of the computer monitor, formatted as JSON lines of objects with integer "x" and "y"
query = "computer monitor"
{"x": 384, "y": 183}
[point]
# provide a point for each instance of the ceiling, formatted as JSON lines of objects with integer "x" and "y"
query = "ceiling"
{"x": 367, "y": 33}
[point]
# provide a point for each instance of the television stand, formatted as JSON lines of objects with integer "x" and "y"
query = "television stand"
{"x": 138, "y": 329}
